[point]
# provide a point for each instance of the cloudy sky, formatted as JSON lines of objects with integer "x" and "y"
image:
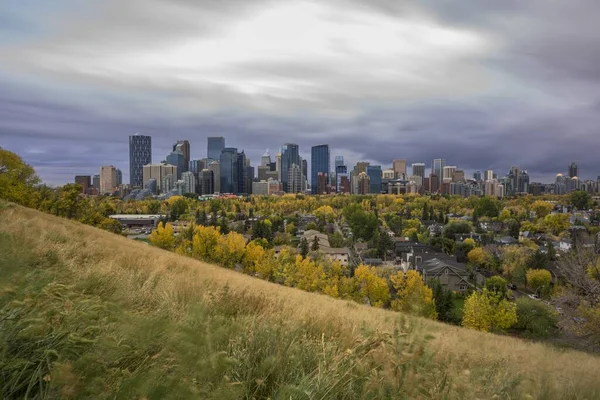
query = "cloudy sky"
{"x": 484, "y": 84}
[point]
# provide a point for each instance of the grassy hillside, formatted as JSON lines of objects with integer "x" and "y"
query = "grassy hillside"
{"x": 88, "y": 314}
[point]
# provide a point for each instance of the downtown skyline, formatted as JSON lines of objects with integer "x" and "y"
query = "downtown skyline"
{"x": 482, "y": 86}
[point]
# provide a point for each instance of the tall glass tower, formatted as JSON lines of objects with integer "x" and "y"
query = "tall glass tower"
{"x": 319, "y": 162}
{"x": 140, "y": 154}
{"x": 215, "y": 146}
{"x": 229, "y": 170}
{"x": 289, "y": 155}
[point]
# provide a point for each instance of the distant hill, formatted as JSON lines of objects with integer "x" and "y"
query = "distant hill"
{"x": 89, "y": 314}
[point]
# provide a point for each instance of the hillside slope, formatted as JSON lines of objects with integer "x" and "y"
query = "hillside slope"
{"x": 85, "y": 313}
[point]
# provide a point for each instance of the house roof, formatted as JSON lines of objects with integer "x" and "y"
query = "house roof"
{"x": 335, "y": 250}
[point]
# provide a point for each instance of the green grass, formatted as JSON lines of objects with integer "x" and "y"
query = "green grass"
{"x": 457, "y": 310}
{"x": 88, "y": 314}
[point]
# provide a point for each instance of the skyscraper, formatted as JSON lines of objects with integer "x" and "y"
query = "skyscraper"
{"x": 215, "y": 167}
{"x": 158, "y": 172}
{"x": 85, "y": 181}
{"x": 399, "y": 167}
{"x": 364, "y": 183}
{"x": 437, "y": 166}
{"x": 242, "y": 173}
{"x": 319, "y": 163}
{"x": 489, "y": 175}
{"x": 265, "y": 160}
{"x": 289, "y": 155}
{"x": 189, "y": 182}
{"x": 524, "y": 182}
{"x": 96, "y": 182}
{"x": 573, "y": 170}
{"x": 177, "y": 159}
{"x": 108, "y": 179}
{"x": 477, "y": 176}
{"x": 216, "y": 144}
{"x": 229, "y": 170}
{"x": 184, "y": 147}
{"x": 448, "y": 173}
{"x": 339, "y": 161}
{"x": 119, "y": 177}
{"x": 206, "y": 182}
{"x": 374, "y": 172}
{"x": 294, "y": 180}
{"x": 418, "y": 169}
{"x": 140, "y": 154}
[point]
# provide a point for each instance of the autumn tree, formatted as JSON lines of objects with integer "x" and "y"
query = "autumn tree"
{"x": 206, "y": 239}
{"x": 487, "y": 207}
{"x": 514, "y": 263}
{"x": 371, "y": 288}
{"x": 480, "y": 257}
{"x": 541, "y": 208}
{"x": 253, "y": 256}
{"x": 555, "y": 223}
{"x": 539, "y": 280}
{"x": 231, "y": 250}
{"x": 535, "y": 318}
{"x": 496, "y": 284}
{"x": 163, "y": 237}
{"x": 488, "y": 312}
{"x": 412, "y": 295}
{"x": 17, "y": 179}
{"x": 580, "y": 199}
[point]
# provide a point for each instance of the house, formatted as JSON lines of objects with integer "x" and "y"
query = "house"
{"x": 435, "y": 229}
{"x": 563, "y": 245}
{"x": 341, "y": 254}
{"x": 507, "y": 241}
{"x": 310, "y": 237}
{"x": 491, "y": 226}
{"x": 452, "y": 275}
{"x": 460, "y": 237}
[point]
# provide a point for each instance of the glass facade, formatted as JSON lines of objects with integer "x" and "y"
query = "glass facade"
{"x": 228, "y": 164}
{"x": 319, "y": 162}
{"x": 289, "y": 155}
{"x": 374, "y": 172}
{"x": 215, "y": 146}
{"x": 140, "y": 154}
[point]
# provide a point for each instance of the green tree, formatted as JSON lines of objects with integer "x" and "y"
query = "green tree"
{"x": 487, "y": 207}
{"x": 535, "y": 318}
{"x": 443, "y": 300}
{"x": 224, "y": 226}
{"x": 315, "y": 244}
{"x": 304, "y": 247}
{"x": 178, "y": 208}
{"x": 384, "y": 244}
{"x": 580, "y": 199}
{"x": 336, "y": 240}
{"x": 17, "y": 179}
{"x": 454, "y": 228}
{"x": 496, "y": 284}
{"x": 539, "y": 280}
{"x": 488, "y": 312}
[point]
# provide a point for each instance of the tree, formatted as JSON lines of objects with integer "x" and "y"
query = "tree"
{"x": 178, "y": 208}
{"x": 17, "y": 179}
{"x": 315, "y": 244}
{"x": 443, "y": 300}
{"x": 253, "y": 256}
{"x": 555, "y": 223}
{"x": 539, "y": 280}
{"x": 514, "y": 263}
{"x": 371, "y": 288}
{"x": 163, "y": 237}
{"x": 541, "y": 208}
{"x": 487, "y": 207}
{"x": 336, "y": 240}
{"x": 201, "y": 217}
{"x": 111, "y": 225}
{"x": 412, "y": 295}
{"x": 496, "y": 284}
{"x": 535, "y": 318}
{"x": 481, "y": 258}
{"x": 425, "y": 215}
{"x": 206, "y": 239}
{"x": 485, "y": 311}
{"x": 384, "y": 244}
{"x": 513, "y": 226}
{"x": 231, "y": 250}
{"x": 224, "y": 227}
{"x": 580, "y": 199}
{"x": 304, "y": 247}
{"x": 325, "y": 213}
{"x": 454, "y": 228}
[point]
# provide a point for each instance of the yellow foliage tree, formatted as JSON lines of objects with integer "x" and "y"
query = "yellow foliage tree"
{"x": 254, "y": 255}
{"x": 555, "y": 223}
{"x": 469, "y": 242}
{"x": 541, "y": 208}
{"x": 480, "y": 257}
{"x": 205, "y": 242}
{"x": 485, "y": 311}
{"x": 326, "y": 213}
{"x": 371, "y": 287}
{"x": 414, "y": 297}
{"x": 539, "y": 280}
{"x": 266, "y": 266}
{"x": 163, "y": 237}
{"x": 514, "y": 262}
{"x": 309, "y": 275}
{"x": 231, "y": 249}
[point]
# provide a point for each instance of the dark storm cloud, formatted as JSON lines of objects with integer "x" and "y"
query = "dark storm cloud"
{"x": 482, "y": 84}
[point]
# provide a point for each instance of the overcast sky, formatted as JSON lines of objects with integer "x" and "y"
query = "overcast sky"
{"x": 483, "y": 84}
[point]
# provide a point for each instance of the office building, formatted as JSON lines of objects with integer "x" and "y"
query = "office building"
{"x": 339, "y": 161}
{"x": 364, "y": 183}
{"x": 260, "y": 188}
{"x": 399, "y": 167}
{"x": 437, "y": 167}
{"x": 294, "y": 180}
{"x": 289, "y": 155}
{"x": 343, "y": 183}
{"x": 242, "y": 174}
{"x": 85, "y": 181}
{"x": 388, "y": 174}
{"x": 189, "y": 182}
{"x": 119, "y": 177}
{"x": 140, "y": 154}
{"x": 215, "y": 146}
{"x": 151, "y": 185}
{"x": 489, "y": 175}
{"x": 215, "y": 168}
{"x": 477, "y": 176}
{"x": 158, "y": 172}
{"x": 177, "y": 159}
{"x": 434, "y": 183}
{"x": 278, "y": 166}
{"x": 323, "y": 186}
{"x": 523, "y": 182}
{"x": 361, "y": 166}
{"x": 573, "y": 170}
{"x": 418, "y": 169}
{"x": 108, "y": 179}
{"x": 265, "y": 160}
{"x": 184, "y": 147}
{"x": 448, "y": 173}
{"x": 206, "y": 182}
{"x": 96, "y": 182}
{"x": 374, "y": 172}
{"x": 168, "y": 183}
{"x": 319, "y": 164}
{"x": 229, "y": 170}
{"x": 458, "y": 176}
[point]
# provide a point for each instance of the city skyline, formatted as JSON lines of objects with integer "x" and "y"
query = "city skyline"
{"x": 469, "y": 83}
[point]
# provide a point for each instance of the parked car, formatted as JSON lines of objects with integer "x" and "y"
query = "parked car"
{"x": 512, "y": 286}
{"x": 533, "y": 296}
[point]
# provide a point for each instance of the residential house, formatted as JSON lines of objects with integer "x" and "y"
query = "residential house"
{"x": 452, "y": 275}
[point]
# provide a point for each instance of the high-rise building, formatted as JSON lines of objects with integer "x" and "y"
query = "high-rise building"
{"x": 168, "y": 183}
{"x": 343, "y": 183}
{"x": 294, "y": 180}
{"x": 207, "y": 182}
{"x": 151, "y": 185}
{"x": 458, "y": 176}
{"x": 119, "y": 177}
{"x": 158, "y": 172}
{"x": 418, "y": 169}
{"x": 216, "y": 144}
{"x": 177, "y": 159}
{"x": 322, "y": 184}
{"x": 339, "y": 161}
{"x": 289, "y": 155}
{"x": 319, "y": 163}
{"x": 184, "y": 147}
{"x": 260, "y": 188}
{"x": 364, "y": 183}
{"x": 265, "y": 160}
{"x": 374, "y": 172}
{"x": 108, "y": 179}
{"x": 573, "y": 170}
{"x": 140, "y": 154}
{"x": 249, "y": 177}
{"x": 215, "y": 167}
{"x": 96, "y": 182}
{"x": 85, "y": 181}
{"x": 437, "y": 166}
{"x": 242, "y": 173}
{"x": 489, "y": 175}
{"x": 434, "y": 183}
{"x": 477, "y": 176}
{"x": 361, "y": 166}
{"x": 278, "y": 166}
{"x": 399, "y": 167}
{"x": 448, "y": 173}
{"x": 523, "y": 182}
{"x": 229, "y": 170}
{"x": 189, "y": 182}
{"x": 388, "y": 174}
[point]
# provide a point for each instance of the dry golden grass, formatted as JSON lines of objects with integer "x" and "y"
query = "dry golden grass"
{"x": 146, "y": 279}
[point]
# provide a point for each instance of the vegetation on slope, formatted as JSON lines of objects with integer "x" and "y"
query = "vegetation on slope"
{"x": 84, "y": 313}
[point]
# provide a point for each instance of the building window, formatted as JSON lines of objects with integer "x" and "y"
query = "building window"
{"x": 462, "y": 287}
{"x": 446, "y": 271}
